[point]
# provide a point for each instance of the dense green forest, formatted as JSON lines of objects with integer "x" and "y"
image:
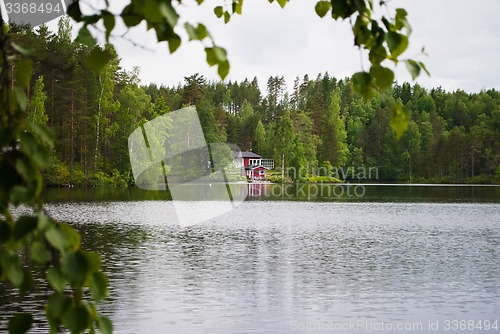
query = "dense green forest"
{"x": 319, "y": 122}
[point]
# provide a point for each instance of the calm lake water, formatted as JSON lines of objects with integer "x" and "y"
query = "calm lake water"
{"x": 397, "y": 259}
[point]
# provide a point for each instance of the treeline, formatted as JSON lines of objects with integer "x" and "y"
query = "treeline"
{"x": 320, "y": 125}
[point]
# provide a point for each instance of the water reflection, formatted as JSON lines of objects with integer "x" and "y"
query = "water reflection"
{"x": 272, "y": 266}
{"x": 291, "y": 192}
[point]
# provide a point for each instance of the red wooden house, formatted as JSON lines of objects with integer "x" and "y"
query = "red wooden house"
{"x": 251, "y": 165}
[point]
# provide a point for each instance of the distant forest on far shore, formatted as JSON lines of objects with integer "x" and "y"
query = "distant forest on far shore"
{"x": 452, "y": 137}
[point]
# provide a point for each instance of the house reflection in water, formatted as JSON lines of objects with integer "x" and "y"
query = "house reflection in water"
{"x": 257, "y": 189}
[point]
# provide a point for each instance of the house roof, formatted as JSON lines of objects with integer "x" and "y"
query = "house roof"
{"x": 259, "y": 167}
{"x": 246, "y": 155}
{"x": 250, "y": 167}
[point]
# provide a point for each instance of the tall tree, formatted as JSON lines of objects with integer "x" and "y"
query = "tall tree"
{"x": 260, "y": 139}
{"x": 333, "y": 134}
{"x": 36, "y": 110}
{"x": 107, "y": 106}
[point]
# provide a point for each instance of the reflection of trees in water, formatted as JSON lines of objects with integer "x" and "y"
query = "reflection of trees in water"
{"x": 111, "y": 241}
{"x": 11, "y": 301}
{"x": 119, "y": 245}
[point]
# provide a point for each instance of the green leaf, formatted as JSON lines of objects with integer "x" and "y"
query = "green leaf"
{"x": 76, "y": 318}
{"x": 57, "y": 238}
{"x": 25, "y": 168}
{"x": 109, "y": 22}
{"x": 401, "y": 21}
{"x": 164, "y": 31}
{"x": 215, "y": 55}
{"x": 20, "y": 323}
{"x": 91, "y": 19}
{"x": 282, "y": 3}
{"x": 173, "y": 43}
{"x": 168, "y": 12}
{"x": 219, "y": 11}
{"x": 85, "y": 37}
{"x": 24, "y": 226}
{"x": 422, "y": 65}
{"x": 211, "y": 58}
{"x": 202, "y": 31}
{"x": 362, "y": 84}
{"x": 397, "y": 43}
{"x": 43, "y": 133}
{"x": 237, "y": 6}
{"x": 152, "y": 12}
{"x": 42, "y": 157}
{"x": 75, "y": 267}
{"x": 15, "y": 272}
{"x": 413, "y": 67}
{"x": 39, "y": 253}
{"x": 99, "y": 286}
{"x": 5, "y": 231}
{"x": 361, "y": 32}
{"x": 44, "y": 222}
{"x": 56, "y": 279}
{"x": 130, "y": 17}
{"x": 57, "y": 304}
{"x": 73, "y": 11}
{"x": 105, "y": 325}
{"x": 29, "y": 145}
{"x": 97, "y": 59}
{"x": 191, "y": 31}
{"x": 24, "y": 70}
{"x": 21, "y": 98}
{"x": 322, "y": 7}
{"x": 223, "y": 69}
{"x": 20, "y": 194}
{"x": 382, "y": 76}
{"x": 93, "y": 260}
{"x": 342, "y": 9}
{"x": 399, "y": 119}
{"x": 63, "y": 237}
{"x": 360, "y": 5}
{"x": 227, "y": 17}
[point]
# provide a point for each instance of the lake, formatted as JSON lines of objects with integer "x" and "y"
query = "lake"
{"x": 396, "y": 259}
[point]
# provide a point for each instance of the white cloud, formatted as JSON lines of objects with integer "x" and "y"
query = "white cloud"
{"x": 461, "y": 38}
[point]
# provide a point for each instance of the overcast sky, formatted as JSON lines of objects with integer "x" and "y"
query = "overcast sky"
{"x": 461, "y": 37}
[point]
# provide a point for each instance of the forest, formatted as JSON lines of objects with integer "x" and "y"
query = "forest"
{"x": 452, "y": 137}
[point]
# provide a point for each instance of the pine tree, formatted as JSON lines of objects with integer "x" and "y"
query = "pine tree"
{"x": 333, "y": 135}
